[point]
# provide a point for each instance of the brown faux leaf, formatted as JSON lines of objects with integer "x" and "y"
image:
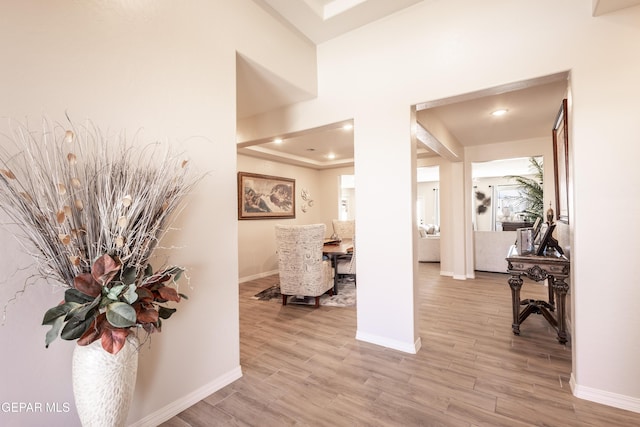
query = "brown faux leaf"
{"x": 26, "y": 196}
{"x": 104, "y": 269}
{"x": 184, "y": 163}
{"x": 150, "y": 328}
{"x": 146, "y": 315}
{"x": 64, "y": 238}
{"x": 87, "y": 285}
{"x": 113, "y": 339}
{"x": 7, "y": 173}
{"x": 68, "y": 136}
{"x": 126, "y": 200}
{"x": 169, "y": 294}
{"x": 94, "y": 331}
{"x": 75, "y": 260}
{"x": 60, "y": 216}
{"x": 144, "y": 295}
{"x": 155, "y": 279}
{"x": 119, "y": 242}
{"x": 75, "y": 183}
{"x": 71, "y": 158}
{"x": 79, "y": 204}
{"x": 62, "y": 189}
{"x": 67, "y": 211}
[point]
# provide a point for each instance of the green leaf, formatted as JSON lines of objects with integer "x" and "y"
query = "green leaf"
{"x": 129, "y": 275}
{"x": 148, "y": 271}
{"x": 84, "y": 311}
{"x": 178, "y": 275}
{"x": 115, "y": 291}
{"x": 59, "y": 311}
{"x": 165, "y": 312}
{"x": 183, "y": 296}
{"x": 131, "y": 295}
{"x": 74, "y": 295}
{"x": 75, "y": 328}
{"x": 121, "y": 315}
{"x": 52, "y": 334}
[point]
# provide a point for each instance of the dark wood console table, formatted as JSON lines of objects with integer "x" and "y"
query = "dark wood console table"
{"x": 555, "y": 268}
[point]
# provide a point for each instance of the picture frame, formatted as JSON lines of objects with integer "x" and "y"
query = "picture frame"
{"x": 265, "y": 196}
{"x": 561, "y": 163}
{"x": 547, "y": 240}
{"x": 536, "y": 228}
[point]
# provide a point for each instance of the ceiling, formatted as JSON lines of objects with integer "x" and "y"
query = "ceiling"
{"x": 532, "y": 105}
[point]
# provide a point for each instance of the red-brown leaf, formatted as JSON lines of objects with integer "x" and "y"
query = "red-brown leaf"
{"x": 147, "y": 315}
{"x": 150, "y": 328}
{"x": 144, "y": 295}
{"x": 169, "y": 294}
{"x": 104, "y": 269}
{"x": 94, "y": 331}
{"x": 84, "y": 283}
{"x": 155, "y": 279}
{"x": 113, "y": 339}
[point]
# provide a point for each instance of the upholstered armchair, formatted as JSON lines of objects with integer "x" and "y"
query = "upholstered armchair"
{"x": 303, "y": 271}
{"x": 344, "y": 229}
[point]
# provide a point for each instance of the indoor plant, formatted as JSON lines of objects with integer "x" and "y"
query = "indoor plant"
{"x": 90, "y": 209}
{"x": 531, "y": 190}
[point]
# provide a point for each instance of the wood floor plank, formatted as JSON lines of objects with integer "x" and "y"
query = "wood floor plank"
{"x": 303, "y": 366}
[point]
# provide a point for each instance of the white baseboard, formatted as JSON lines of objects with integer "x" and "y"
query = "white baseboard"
{"x": 605, "y": 397}
{"x": 446, "y": 273}
{"x": 174, "y": 408}
{"x": 459, "y": 277}
{"x": 257, "y": 276}
{"x": 405, "y": 347}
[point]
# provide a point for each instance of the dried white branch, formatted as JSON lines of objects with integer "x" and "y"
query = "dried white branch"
{"x": 75, "y": 194}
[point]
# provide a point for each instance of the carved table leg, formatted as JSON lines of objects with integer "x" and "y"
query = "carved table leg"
{"x": 552, "y": 292}
{"x": 515, "y": 282}
{"x": 561, "y": 289}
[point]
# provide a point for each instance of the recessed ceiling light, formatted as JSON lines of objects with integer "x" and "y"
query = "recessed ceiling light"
{"x": 278, "y": 140}
{"x": 347, "y": 126}
{"x": 331, "y": 156}
{"x": 499, "y": 113}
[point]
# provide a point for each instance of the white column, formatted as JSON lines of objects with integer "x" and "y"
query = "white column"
{"x": 385, "y": 182}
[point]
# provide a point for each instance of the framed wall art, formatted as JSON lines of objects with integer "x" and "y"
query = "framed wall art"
{"x": 264, "y": 196}
{"x": 561, "y": 163}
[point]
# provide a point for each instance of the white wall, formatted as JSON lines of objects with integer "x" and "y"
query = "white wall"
{"x": 426, "y": 194}
{"x": 167, "y": 68}
{"x": 375, "y": 74}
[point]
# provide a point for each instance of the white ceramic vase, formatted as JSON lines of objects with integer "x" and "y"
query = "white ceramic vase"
{"x": 103, "y": 383}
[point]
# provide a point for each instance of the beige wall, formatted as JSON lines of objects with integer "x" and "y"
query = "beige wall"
{"x": 166, "y": 68}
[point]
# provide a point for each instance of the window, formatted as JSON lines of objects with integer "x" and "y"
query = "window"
{"x": 347, "y": 198}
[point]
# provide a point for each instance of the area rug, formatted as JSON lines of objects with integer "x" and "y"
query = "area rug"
{"x": 346, "y": 296}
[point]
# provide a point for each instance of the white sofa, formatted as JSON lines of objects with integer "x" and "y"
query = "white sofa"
{"x": 429, "y": 248}
{"x": 491, "y": 249}
{"x": 429, "y": 243}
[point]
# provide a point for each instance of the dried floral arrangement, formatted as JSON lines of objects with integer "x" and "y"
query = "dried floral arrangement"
{"x": 90, "y": 210}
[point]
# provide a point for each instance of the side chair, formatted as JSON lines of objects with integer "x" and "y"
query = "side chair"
{"x": 302, "y": 269}
{"x": 347, "y": 266}
{"x": 344, "y": 229}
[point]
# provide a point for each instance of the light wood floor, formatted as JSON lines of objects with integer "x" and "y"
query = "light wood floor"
{"x": 303, "y": 366}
